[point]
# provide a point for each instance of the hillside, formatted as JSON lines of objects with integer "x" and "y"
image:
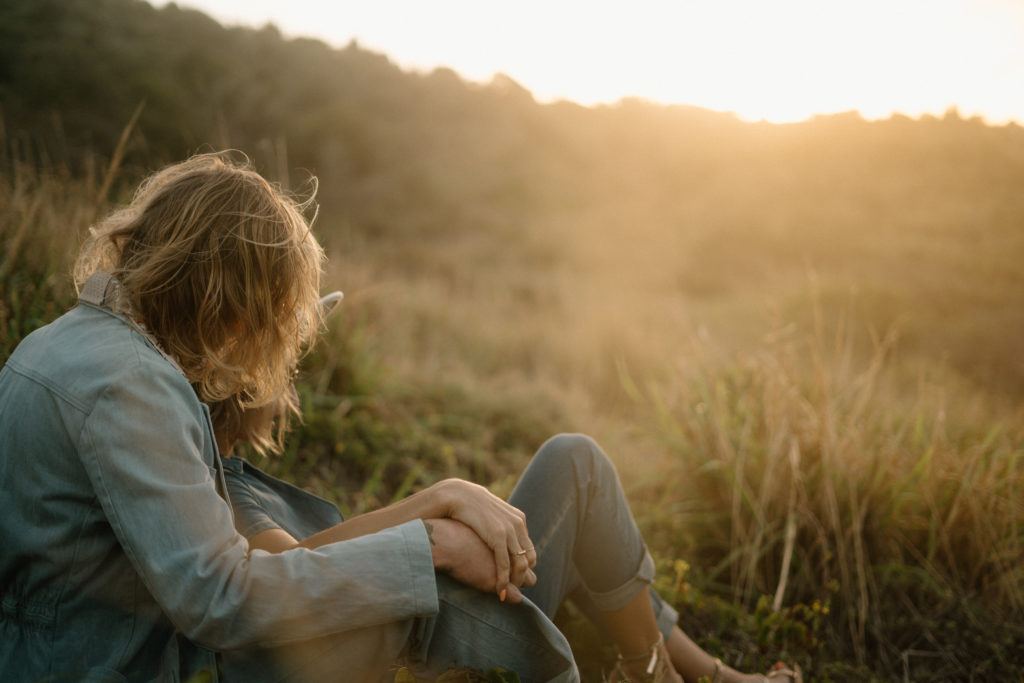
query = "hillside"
{"x": 921, "y": 219}
{"x": 812, "y": 326}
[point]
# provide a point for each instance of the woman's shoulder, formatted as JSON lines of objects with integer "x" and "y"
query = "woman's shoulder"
{"x": 86, "y": 350}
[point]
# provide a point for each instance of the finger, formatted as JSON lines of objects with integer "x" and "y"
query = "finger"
{"x": 501, "y": 561}
{"x": 520, "y": 566}
{"x": 523, "y": 536}
{"x": 531, "y": 557}
{"x": 530, "y": 579}
{"x": 527, "y": 554}
{"x": 513, "y": 595}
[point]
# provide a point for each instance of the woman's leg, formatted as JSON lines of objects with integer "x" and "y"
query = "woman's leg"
{"x": 581, "y": 526}
{"x": 359, "y": 656}
{"x": 475, "y": 630}
{"x": 584, "y": 534}
{"x": 471, "y": 630}
{"x": 585, "y": 537}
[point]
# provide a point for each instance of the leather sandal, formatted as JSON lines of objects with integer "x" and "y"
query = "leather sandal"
{"x": 653, "y": 666}
{"x": 717, "y": 678}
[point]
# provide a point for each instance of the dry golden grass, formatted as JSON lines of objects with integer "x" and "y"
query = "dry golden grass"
{"x": 811, "y": 396}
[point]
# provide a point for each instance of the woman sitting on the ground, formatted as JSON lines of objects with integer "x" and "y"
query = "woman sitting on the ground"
{"x": 120, "y": 557}
{"x": 586, "y": 546}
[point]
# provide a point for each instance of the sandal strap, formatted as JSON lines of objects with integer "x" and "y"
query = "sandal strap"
{"x": 717, "y": 678}
{"x": 654, "y": 661}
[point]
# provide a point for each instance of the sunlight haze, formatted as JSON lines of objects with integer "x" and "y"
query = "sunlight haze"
{"x": 780, "y": 61}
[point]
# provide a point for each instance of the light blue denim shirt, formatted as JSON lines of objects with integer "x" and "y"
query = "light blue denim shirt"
{"x": 118, "y": 555}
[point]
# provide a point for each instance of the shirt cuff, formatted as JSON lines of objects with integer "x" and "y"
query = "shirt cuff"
{"x": 422, "y": 584}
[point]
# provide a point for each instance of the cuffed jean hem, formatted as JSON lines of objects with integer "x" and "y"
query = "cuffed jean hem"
{"x": 617, "y": 598}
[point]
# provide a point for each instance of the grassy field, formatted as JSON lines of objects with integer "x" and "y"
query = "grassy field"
{"x": 808, "y": 373}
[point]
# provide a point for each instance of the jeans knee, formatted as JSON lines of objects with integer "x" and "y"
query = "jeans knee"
{"x": 578, "y": 451}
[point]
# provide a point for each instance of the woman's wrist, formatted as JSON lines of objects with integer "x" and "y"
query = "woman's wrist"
{"x": 442, "y": 498}
{"x": 435, "y": 550}
{"x": 440, "y": 545}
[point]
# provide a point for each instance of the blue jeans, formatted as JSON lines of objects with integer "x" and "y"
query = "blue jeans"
{"x": 587, "y": 545}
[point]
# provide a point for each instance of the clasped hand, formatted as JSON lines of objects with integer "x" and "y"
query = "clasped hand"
{"x": 481, "y": 540}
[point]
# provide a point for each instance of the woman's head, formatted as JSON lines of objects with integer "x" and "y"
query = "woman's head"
{"x": 222, "y": 268}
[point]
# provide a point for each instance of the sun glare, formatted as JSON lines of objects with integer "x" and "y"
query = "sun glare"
{"x": 781, "y": 61}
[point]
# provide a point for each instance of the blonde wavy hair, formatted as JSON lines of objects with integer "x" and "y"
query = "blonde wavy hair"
{"x": 222, "y": 269}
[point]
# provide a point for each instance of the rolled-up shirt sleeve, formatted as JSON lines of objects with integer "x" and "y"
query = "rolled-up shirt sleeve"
{"x": 142, "y": 446}
{"x": 250, "y": 516}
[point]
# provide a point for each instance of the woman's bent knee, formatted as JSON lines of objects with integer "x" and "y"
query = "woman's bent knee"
{"x": 578, "y": 449}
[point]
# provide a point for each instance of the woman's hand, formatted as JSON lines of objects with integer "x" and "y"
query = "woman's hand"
{"x": 458, "y": 551}
{"x": 500, "y": 526}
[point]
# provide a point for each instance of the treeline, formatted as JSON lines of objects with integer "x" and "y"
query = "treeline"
{"x": 893, "y": 207}
{"x": 73, "y": 71}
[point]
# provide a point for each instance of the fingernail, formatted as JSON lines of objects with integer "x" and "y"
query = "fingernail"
{"x": 502, "y": 594}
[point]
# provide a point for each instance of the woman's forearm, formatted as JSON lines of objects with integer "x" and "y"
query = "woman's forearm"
{"x": 428, "y": 503}
{"x": 422, "y": 505}
{"x": 456, "y": 548}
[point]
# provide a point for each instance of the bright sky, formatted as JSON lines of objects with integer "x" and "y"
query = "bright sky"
{"x": 781, "y": 60}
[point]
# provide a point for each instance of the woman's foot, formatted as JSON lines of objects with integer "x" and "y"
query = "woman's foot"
{"x": 780, "y": 673}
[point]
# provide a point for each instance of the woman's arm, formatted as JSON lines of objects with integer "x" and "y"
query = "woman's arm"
{"x": 432, "y": 502}
{"x": 454, "y": 499}
{"x": 145, "y": 447}
{"x": 455, "y": 548}
{"x": 422, "y": 505}
{"x": 501, "y": 526}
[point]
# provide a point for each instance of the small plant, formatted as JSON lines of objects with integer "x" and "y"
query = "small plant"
{"x": 791, "y": 630}
{"x": 750, "y": 641}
